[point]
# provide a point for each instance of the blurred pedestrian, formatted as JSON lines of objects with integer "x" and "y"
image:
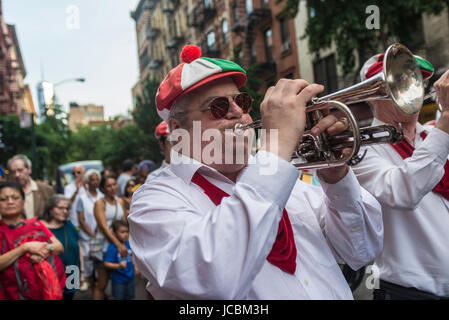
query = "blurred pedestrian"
{"x": 74, "y": 190}
{"x": 122, "y": 276}
{"x": 56, "y": 219}
{"x": 107, "y": 210}
{"x": 162, "y": 135}
{"x": 36, "y": 193}
{"x": 143, "y": 170}
{"x": 87, "y": 222}
{"x": 127, "y": 197}
{"x": 17, "y": 258}
{"x": 129, "y": 169}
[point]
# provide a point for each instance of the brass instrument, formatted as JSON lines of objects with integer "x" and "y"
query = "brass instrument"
{"x": 400, "y": 80}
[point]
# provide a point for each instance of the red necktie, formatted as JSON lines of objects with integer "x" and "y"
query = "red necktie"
{"x": 283, "y": 252}
{"x": 405, "y": 150}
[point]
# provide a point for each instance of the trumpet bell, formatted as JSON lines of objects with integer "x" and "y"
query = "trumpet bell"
{"x": 403, "y": 79}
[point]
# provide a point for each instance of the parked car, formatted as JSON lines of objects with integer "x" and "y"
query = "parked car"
{"x": 64, "y": 176}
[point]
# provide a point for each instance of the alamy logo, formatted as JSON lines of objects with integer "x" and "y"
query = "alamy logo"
{"x": 72, "y": 281}
{"x": 73, "y": 19}
{"x": 373, "y": 20}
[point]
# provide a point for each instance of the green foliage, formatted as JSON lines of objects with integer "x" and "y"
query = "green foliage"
{"x": 56, "y": 144}
{"x": 343, "y": 22}
{"x": 15, "y": 139}
{"x": 146, "y": 118}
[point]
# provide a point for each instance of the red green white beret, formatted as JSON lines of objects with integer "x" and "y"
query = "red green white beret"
{"x": 192, "y": 73}
{"x": 374, "y": 65}
{"x": 161, "y": 130}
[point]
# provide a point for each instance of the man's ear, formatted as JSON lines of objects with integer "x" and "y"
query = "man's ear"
{"x": 173, "y": 124}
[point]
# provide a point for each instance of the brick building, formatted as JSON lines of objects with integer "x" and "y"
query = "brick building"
{"x": 85, "y": 115}
{"x": 12, "y": 70}
{"x": 161, "y": 29}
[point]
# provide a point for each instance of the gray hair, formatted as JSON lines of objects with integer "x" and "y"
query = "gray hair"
{"x": 91, "y": 172}
{"x": 24, "y": 158}
{"x": 179, "y": 111}
{"x": 51, "y": 203}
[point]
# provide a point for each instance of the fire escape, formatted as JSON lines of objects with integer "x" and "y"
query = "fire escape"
{"x": 248, "y": 27}
{"x": 202, "y": 13}
{"x": 175, "y": 40}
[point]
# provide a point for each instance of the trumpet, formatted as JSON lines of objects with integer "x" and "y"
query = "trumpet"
{"x": 400, "y": 81}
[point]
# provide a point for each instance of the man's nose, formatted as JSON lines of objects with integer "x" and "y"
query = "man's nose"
{"x": 235, "y": 112}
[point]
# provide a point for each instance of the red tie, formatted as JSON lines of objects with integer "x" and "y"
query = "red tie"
{"x": 405, "y": 150}
{"x": 283, "y": 252}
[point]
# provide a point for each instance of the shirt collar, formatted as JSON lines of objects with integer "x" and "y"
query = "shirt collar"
{"x": 185, "y": 167}
{"x": 33, "y": 185}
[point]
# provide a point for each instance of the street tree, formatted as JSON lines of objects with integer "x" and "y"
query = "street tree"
{"x": 344, "y": 22}
{"x": 146, "y": 118}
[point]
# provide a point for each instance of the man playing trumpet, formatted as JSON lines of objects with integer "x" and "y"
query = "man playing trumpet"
{"x": 202, "y": 230}
{"x": 411, "y": 181}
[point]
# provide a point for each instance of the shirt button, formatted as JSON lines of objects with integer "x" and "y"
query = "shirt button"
{"x": 306, "y": 282}
{"x": 335, "y": 196}
{"x": 353, "y": 229}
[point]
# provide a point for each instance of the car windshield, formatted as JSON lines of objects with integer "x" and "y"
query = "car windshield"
{"x": 67, "y": 171}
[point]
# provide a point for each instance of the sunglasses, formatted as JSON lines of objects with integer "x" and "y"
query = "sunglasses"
{"x": 76, "y": 172}
{"x": 219, "y": 106}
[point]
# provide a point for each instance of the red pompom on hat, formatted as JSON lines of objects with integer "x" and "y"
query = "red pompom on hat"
{"x": 194, "y": 72}
{"x": 189, "y": 53}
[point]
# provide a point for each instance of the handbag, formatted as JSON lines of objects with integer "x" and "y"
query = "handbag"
{"x": 96, "y": 244}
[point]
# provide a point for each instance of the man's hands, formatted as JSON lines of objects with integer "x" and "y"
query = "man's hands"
{"x": 442, "y": 89}
{"x": 332, "y": 126}
{"x": 283, "y": 108}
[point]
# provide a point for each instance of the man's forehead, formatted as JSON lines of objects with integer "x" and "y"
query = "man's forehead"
{"x": 219, "y": 87}
{"x": 18, "y": 164}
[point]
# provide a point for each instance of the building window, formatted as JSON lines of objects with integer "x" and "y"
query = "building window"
{"x": 249, "y": 6}
{"x": 207, "y": 3}
{"x": 211, "y": 41}
{"x": 325, "y": 72}
{"x": 235, "y": 11}
{"x": 224, "y": 29}
{"x": 285, "y": 35}
{"x": 144, "y": 60}
{"x": 265, "y": 3}
{"x": 268, "y": 42}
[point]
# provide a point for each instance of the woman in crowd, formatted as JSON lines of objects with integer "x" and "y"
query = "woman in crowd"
{"x": 55, "y": 218}
{"x": 18, "y": 254}
{"x": 127, "y": 197}
{"x": 88, "y": 224}
{"x": 106, "y": 210}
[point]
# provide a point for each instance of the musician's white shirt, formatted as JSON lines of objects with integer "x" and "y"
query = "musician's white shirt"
{"x": 188, "y": 248}
{"x": 416, "y": 219}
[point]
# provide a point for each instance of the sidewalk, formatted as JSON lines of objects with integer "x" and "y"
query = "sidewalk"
{"x": 139, "y": 287}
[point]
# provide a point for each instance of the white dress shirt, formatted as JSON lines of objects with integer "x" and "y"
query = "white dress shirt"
{"x": 416, "y": 219}
{"x": 69, "y": 190}
{"x": 188, "y": 248}
{"x": 156, "y": 172}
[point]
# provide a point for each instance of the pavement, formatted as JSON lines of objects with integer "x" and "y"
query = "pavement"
{"x": 139, "y": 289}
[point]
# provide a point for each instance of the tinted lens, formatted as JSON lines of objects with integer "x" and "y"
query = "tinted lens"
{"x": 244, "y": 101}
{"x": 219, "y": 107}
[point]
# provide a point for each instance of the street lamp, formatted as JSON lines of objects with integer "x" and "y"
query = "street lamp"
{"x": 50, "y": 112}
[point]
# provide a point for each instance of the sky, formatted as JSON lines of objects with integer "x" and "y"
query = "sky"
{"x": 91, "y": 39}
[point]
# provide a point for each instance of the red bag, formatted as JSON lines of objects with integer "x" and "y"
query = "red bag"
{"x": 48, "y": 281}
